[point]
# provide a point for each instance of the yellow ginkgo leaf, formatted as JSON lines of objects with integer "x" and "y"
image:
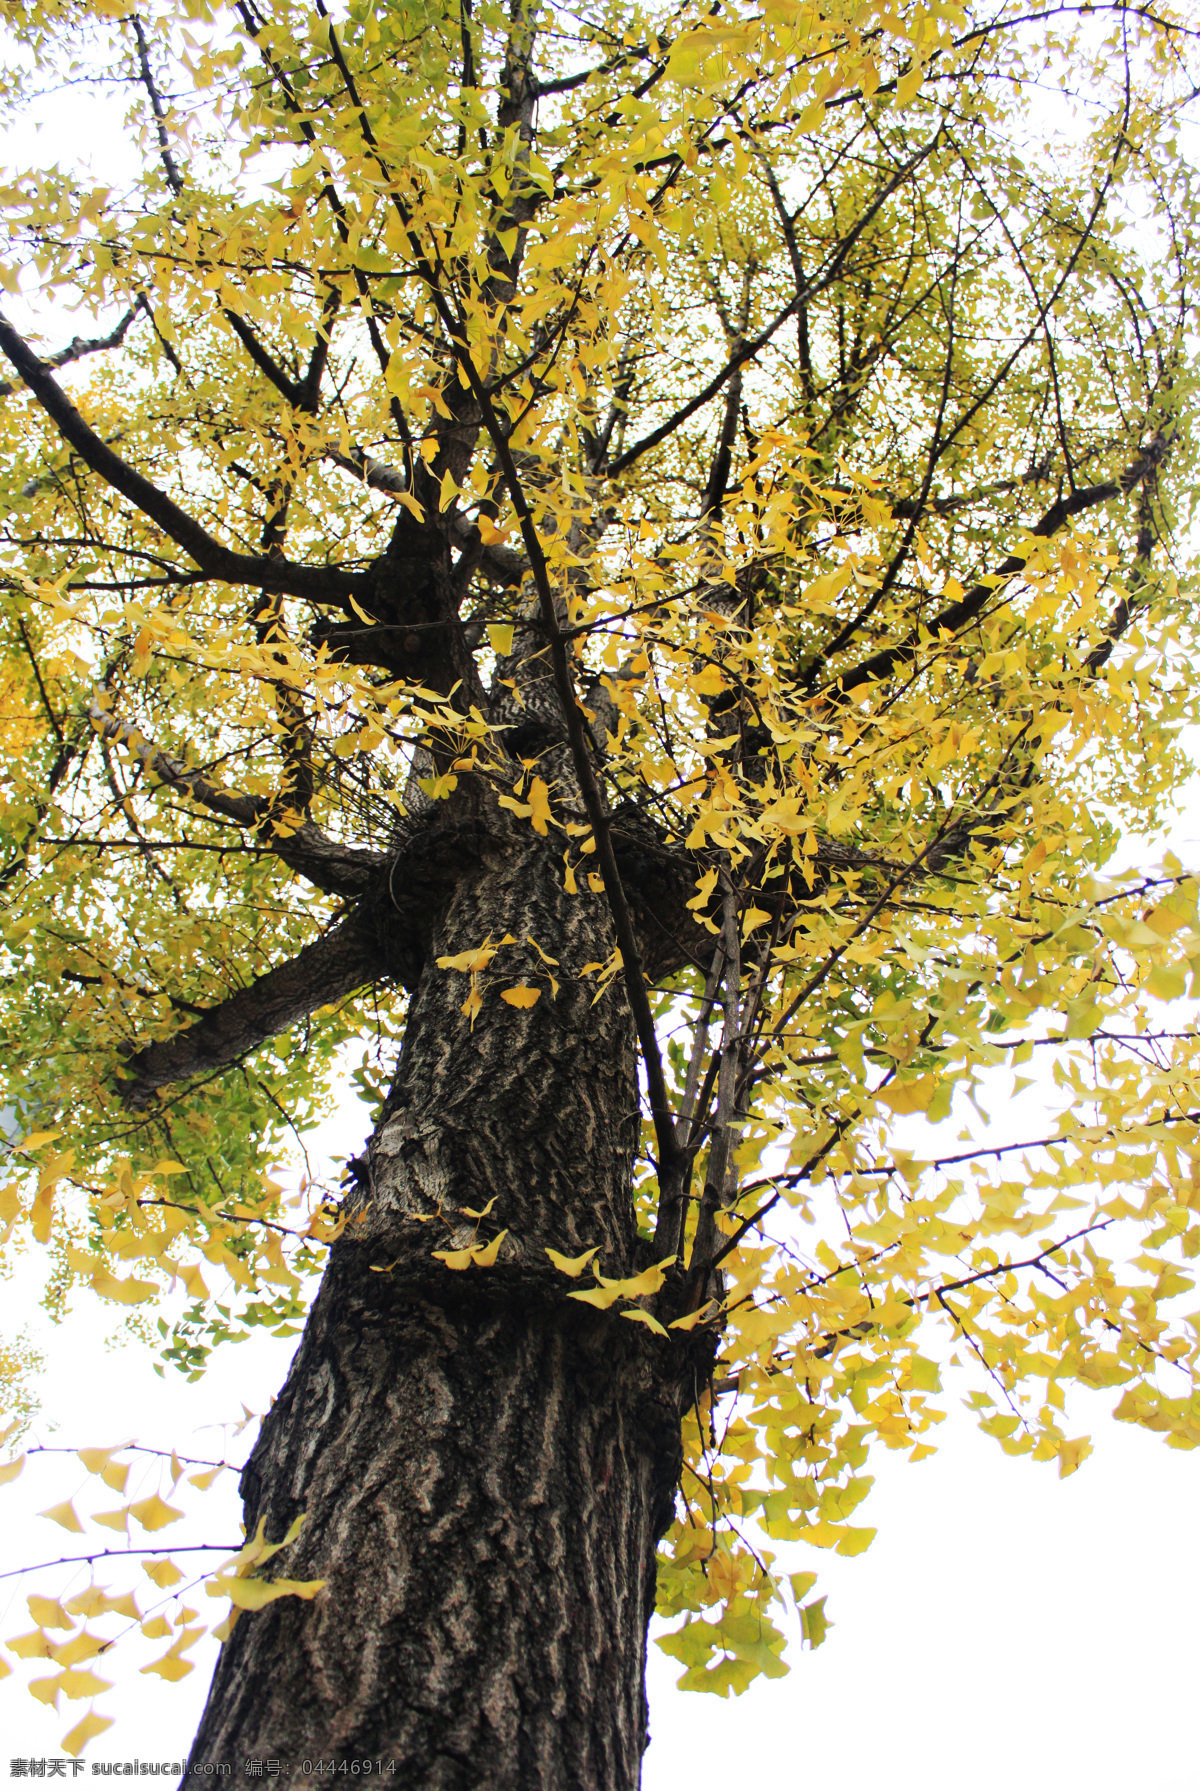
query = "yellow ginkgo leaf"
{"x": 11, "y": 1469}
{"x": 163, "y": 1573}
{"x": 454, "y": 1259}
{"x": 600, "y": 1297}
{"x": 113, "y": 1520}
{"x": 485, "y": 1258}
{"x": 645, "y": 1318}
{"x": 253, "y": 1595}
{"x": 156, "y": 1627}
{"x": 708, "y": 682}
{"x": 128, "y": 1291}
{"x": 476, "y": 959}
{"x": 193, "y": 1280}
{"x": 64, "y": 1514}
{"x": 154, "y": 1513}
{"x": 77, "y": 1739}
{"x": 692, "y": 1319}
{"x": 125, "y": 1606}
{"x": 80, "y": 1647}
{"x": 259, "y": 1549}
{"x": 704, "y": 888}
{"x": 908, "y": 1097}
{"x": 648, "y": 1282}
{"x": 95, "y": 1460}
{"x": 539, "y": 803}
{"x": 520, "y": 996}
{"x": 42, "y": 1213}
{"x": 170, "y": 1667}
{"x": 571, "y": 1265}
{"x": 85, "y": 1684}
{"x": 47, "y": 1613}
{"x": 472, "y": 1004}
{"x": 1071, "y": 1454}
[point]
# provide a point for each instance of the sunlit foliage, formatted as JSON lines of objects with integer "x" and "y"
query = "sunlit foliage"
{"x": 806, "y": 392}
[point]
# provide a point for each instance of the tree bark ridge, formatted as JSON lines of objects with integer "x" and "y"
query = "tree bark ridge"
{"x": 484, "y": 1491}
{"x": 484, "y": 1464}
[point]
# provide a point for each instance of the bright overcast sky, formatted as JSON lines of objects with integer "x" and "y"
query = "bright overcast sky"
{"x": 1004, "y": 1628}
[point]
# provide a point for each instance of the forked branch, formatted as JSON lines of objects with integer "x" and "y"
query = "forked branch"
{"x": 318, "y": 584}
{"x": 328, "y": 864}
{"x": 957, "y": 615}
{"x": 78, "y": 347}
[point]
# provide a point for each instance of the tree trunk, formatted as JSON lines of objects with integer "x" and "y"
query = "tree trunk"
{"x": 484, "y": 1464}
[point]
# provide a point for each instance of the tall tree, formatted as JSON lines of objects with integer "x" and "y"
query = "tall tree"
{"x": 635, "y": 551}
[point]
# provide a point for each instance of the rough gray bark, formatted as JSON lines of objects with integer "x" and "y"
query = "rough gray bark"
{"x": 484, "y": 1464}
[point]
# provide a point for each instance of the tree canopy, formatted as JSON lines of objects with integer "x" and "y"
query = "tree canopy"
{"x": 797, "y": 400}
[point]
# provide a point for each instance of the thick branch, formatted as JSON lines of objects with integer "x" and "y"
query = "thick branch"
{"x": 318, "y": 584}
{"x": 590, "y": 789}
{"x": 376, "y": 474}
{"x": 957, "y": 615}
{"x": 503, "y": 564}
{"x": 302, "y": 394}
{"x": 593, "y": 796}
{"x": 327, "y": 863}
{"x": 310, "y": 385}
{"x": 344, "y": 960}
{"x": 718, "y": 478}
{"x": 264, "y": 360}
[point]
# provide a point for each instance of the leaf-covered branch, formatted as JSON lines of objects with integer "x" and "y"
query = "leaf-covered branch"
{"x": 322, "y": 585}
{"x": 334, "y": 966}
{"x": 306, "y": 848}
{"x": 79, "y": 347}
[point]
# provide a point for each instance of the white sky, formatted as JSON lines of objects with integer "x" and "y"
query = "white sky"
{"x": 1004, "y": 1627}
